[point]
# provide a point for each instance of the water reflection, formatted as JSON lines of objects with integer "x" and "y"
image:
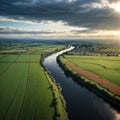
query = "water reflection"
{"x": 82, "y": 104}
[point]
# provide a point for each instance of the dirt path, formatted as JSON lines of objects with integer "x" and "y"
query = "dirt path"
{"x": 92, "y": 76}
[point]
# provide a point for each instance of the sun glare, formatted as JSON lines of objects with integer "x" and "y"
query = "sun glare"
{"x": 116, "y": 6}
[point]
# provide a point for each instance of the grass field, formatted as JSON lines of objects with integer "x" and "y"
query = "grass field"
{"x": 107, "y": 67}
{"x": 25, "y": 91}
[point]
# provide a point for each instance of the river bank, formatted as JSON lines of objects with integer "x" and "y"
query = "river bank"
{"x": 58, "y": 101}
{"x": 81, "y": 103}
{"x": 96, "y": 88}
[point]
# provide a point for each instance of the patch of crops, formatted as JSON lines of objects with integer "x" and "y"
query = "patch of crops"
{"x": 105, "y": 66}
{"x": 23, "y": 58}
{"x": 9, "y": 58}
{"x": 12, "y": 87}
{"x": 25, "y": 91}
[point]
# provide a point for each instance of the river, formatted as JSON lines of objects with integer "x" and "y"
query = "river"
{"x": 82, "y": 104}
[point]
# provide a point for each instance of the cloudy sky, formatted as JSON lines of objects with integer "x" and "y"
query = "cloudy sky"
{"x": 60, "y": 18}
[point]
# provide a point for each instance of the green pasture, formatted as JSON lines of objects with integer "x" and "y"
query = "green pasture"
{"x": 25, "y": 91}
{"x": 8, "y": 58}
{"x": 23, "y": 58}
{"x": 37, "y": 97}
{"x": 12, "y": 87}
{"x": 107, "y": 67}
{"x": 30, "y": 48}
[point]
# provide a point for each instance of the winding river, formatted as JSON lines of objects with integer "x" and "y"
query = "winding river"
{"x": 82, "y": 104}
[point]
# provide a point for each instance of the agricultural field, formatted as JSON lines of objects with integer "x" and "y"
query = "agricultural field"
{"x": 25, "y": 91}
{"x": 28, "y": 48}
{"x": 107, "y": 67}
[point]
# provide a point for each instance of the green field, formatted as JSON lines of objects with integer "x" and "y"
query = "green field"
{"x": 107, "y": 67}
{"x": 25, "y": 91}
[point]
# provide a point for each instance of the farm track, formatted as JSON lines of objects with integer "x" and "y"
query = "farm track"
{"x": 10, "y": 103}
{"x": 19, "y": 113}
{"x": 22, "y": 102}
{"x": 92, "y": 76}
{"x": 24, "y": 94}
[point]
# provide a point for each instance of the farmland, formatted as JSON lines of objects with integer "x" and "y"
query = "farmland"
{"x": 104, "y": 66}
{"x": 88, "y": 69}
{"x": 25, "y": 91}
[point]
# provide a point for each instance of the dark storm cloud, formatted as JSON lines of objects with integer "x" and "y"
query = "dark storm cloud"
{"x": 76, "y": 13}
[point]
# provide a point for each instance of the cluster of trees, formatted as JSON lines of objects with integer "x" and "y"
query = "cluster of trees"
{"x": 110, "y": 49}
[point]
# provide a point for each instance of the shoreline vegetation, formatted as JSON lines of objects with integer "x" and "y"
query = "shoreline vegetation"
{"x": 107, "y": 95}
{"x": 58, "y": 100}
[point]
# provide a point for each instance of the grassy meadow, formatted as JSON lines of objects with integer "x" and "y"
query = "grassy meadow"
{"x": 107, "y": 67}
{"x": 25, "y": 91}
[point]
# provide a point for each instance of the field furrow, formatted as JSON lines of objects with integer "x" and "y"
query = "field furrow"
{"x": 9, "y": 58}
{"x": 4, "y": 66}
{"x": 14, "y": 79}
{"x": 25, "y": 92}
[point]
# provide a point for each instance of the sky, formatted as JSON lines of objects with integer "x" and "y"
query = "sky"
{"x": 60, "y": 19}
